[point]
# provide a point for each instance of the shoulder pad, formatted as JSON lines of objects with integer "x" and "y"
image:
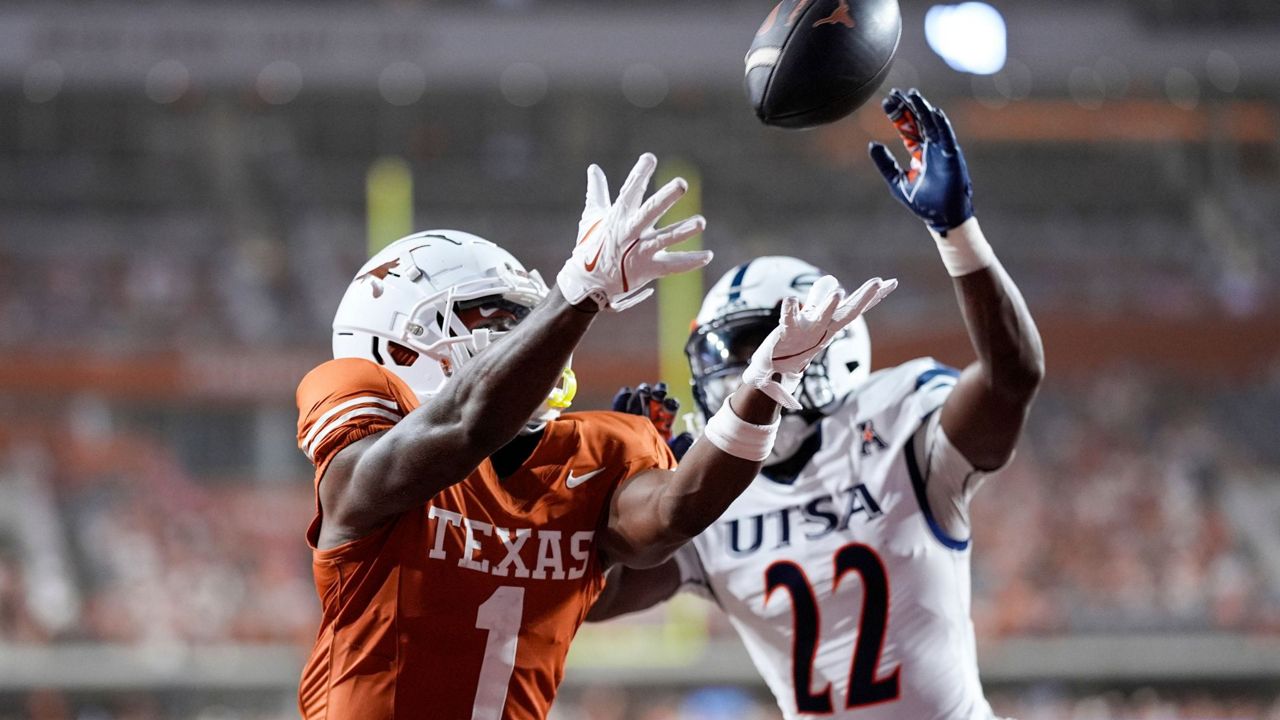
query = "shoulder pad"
{"x": 344, "y": 400}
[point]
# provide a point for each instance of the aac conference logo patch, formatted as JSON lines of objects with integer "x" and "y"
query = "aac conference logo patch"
{"x": 871, "y": 440}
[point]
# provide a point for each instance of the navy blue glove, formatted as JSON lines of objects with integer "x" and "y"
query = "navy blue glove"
{"x": 660, "y": 408}
{"x": 936, "y": 187}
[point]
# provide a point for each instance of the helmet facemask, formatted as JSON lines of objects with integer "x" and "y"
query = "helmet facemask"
{"x": 435, "y": 329}
{"x": 455, "y": 339}
{"x": 721, "y": 350}
{"x": 719, "y": 353}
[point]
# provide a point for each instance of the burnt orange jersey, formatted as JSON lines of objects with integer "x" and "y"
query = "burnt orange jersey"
{"x": 462, "y": 609}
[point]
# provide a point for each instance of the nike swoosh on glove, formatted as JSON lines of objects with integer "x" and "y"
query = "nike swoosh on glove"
{"x": 619, "y": 251}
{"x": 936, "y": 187}
{"x": 804, "y": 331}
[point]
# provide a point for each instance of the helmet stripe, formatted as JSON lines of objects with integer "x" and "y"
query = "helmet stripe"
{"x": 735, "y": 287}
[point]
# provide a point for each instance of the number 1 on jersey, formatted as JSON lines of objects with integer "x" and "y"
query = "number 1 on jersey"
{"x": 500, "y": 615}
{"x": 864, "y": 688}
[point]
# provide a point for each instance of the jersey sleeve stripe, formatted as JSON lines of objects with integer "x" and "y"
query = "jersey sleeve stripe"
{"x": 922, "y": 498}
{"x": 319, "y": 424}
{"x": 940, "y": 371}
{"x": 340, "y": 421}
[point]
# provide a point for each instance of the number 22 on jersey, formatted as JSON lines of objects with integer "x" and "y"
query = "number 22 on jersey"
{"x": 864, "y": 688}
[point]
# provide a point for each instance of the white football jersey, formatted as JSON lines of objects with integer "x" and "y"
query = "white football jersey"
{"x": 849, "y": 595}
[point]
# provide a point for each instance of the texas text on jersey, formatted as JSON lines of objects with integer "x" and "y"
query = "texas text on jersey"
{"x": 497, "y": 576}
{"x": 850, "y": 594}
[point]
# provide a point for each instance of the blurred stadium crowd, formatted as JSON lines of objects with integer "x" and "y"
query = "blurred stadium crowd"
{"x": 136, "y": 229}
{"x": 249, "y": 217}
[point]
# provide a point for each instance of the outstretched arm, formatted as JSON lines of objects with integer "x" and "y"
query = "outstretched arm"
{"x": 628, "y": 590}
{"x": 490, "y": 399}
{"x": 655, "y": 512}
{"x": 478, "y": 411}
{"x": 985, "y": 413}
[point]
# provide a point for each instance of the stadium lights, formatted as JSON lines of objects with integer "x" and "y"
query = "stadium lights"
{"x": 971, "y": 37}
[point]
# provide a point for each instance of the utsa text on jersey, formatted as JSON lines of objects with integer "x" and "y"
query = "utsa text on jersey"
{"x": 819, "y": 512}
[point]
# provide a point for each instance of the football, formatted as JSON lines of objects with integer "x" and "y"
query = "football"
{"x": 816, "y": 61}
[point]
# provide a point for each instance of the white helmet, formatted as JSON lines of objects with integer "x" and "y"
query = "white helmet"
{"x": 401, "y": 310}
{"x": 740, "y": 312}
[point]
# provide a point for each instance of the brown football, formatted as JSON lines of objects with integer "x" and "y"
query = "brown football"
{"x": 816, "y": 61}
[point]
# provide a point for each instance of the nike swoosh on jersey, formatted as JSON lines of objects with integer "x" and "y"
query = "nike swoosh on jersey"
{"x": 575, "y": 480}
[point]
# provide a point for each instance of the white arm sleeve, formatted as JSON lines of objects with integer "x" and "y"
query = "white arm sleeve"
{"x": 950, "y": 479}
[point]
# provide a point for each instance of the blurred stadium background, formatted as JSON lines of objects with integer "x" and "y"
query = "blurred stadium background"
{"x": 187, "y": 187}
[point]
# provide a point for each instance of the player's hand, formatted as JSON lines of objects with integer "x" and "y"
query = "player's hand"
{"x": 661, "y": 409}
{"x": 936, "y": 187}
{"x": 619, "y": 251}
{"x": 806, "y": 330}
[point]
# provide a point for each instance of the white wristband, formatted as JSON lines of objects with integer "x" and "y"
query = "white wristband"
{"x": 964, "y": 249}
{"x": 738, "y": 437}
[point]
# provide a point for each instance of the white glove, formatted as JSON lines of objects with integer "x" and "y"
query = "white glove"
{"x": 805, "y": 331}
{"x": 619, "y": 252}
